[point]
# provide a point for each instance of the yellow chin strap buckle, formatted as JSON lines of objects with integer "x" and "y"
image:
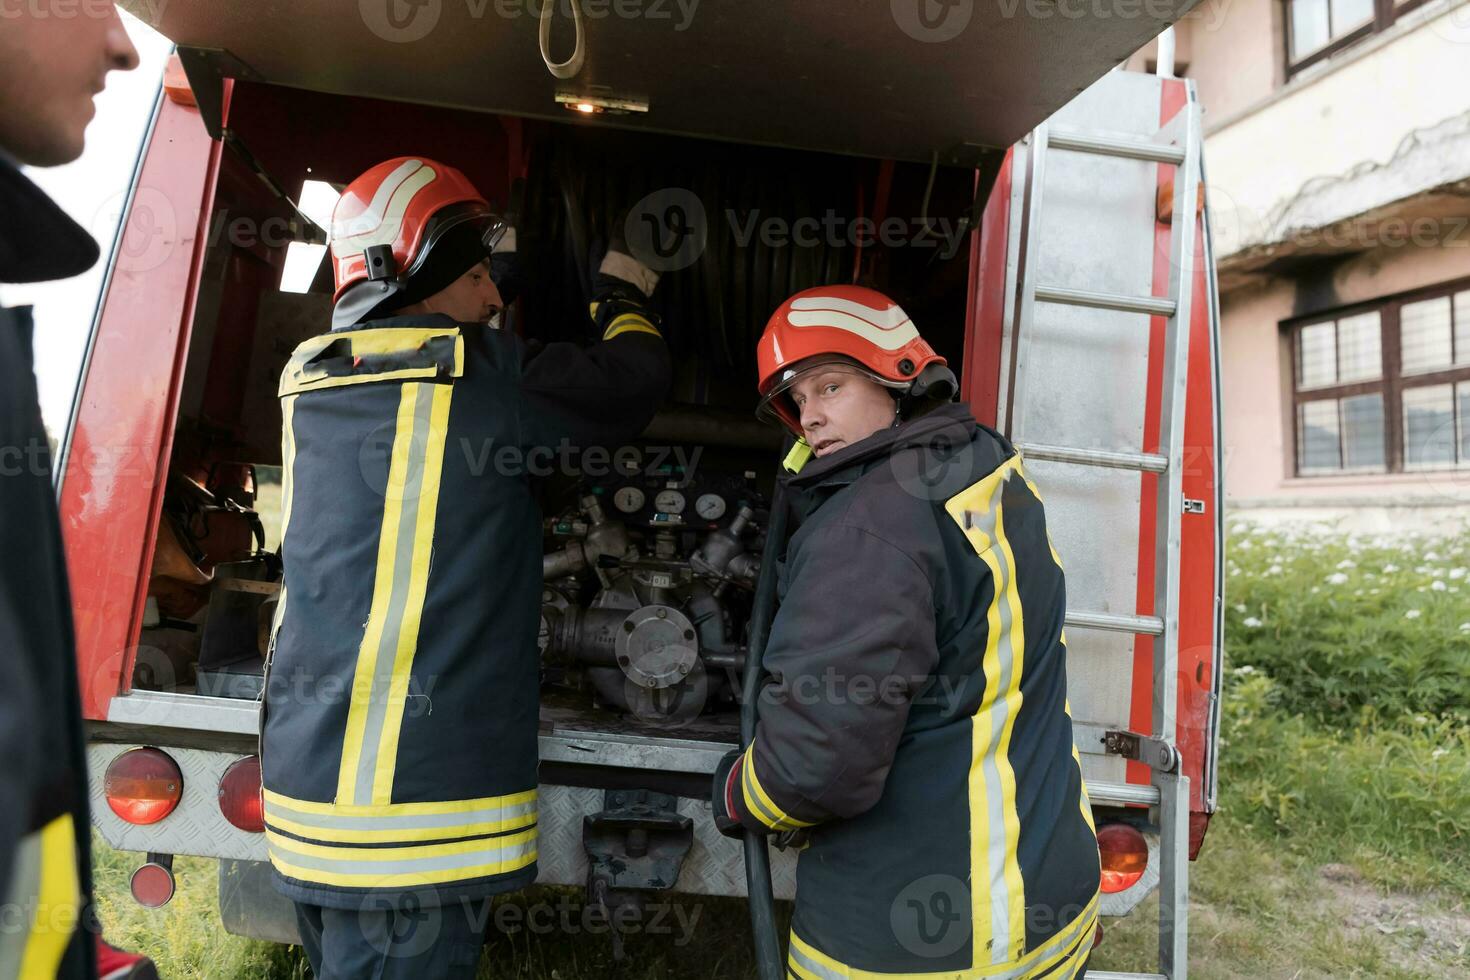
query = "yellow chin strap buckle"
{"x": 800, "y": 455}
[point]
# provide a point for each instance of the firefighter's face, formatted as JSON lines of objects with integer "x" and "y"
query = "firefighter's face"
{"x": 51, "y": 67}
{"x": 839, "y": 407}
{"x": 472, "y": 298}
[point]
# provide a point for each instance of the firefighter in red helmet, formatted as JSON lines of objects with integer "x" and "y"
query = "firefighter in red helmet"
{"x": 399, "y": 750}
{"x": 914, "y": 734}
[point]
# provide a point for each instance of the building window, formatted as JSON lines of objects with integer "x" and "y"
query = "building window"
{"x": 1384, "y": 389}
{"x": 1318, "y": 29}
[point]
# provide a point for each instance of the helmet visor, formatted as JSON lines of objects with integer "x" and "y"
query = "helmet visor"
{"x": 779, "y": 397}
{"x": 490, "y": 226}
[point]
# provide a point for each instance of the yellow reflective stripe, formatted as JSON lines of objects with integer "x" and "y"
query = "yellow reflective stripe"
{"x": 762, "y": 806}
{"x": 58, "y": 900}
{"x": 1070, "y": 946}
{"x": 372, "y": 638}
{"x": 369, "y": 836}
{"x": 1015, "y": 886}
{"x": 408, "y": 636}
{"x": 295, "y": 379}
{"x": 381, "y": 867}
{"x": 998, "y": 913}
{"x": 399, "y": 809}
{"x": 629, "y": 323}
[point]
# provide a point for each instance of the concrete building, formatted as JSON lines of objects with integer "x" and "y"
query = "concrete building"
{"x": 1338, "y": 177}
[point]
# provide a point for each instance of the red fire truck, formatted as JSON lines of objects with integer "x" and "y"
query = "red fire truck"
{"x": 1039, "y": 213}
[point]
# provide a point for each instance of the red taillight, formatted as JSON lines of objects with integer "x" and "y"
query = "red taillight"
{"x": 143, "y": 786}
{"x": 152, "y": 885}
{"x": 239, "y": 795}
{"x": 1124, "y": 856}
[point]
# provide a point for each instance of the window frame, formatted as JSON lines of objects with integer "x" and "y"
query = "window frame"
{"x": 1391, "y": 382}
{"x": 1385, "y": 14}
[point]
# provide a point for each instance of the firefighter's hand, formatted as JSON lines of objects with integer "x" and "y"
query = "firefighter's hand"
{"x": 723, "y": 795}
{"x": 619, "y": 272}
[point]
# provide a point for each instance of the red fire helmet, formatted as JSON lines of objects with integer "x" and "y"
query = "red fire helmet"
{"x": 851, "y": 324}
{"x": 389, "y": 219}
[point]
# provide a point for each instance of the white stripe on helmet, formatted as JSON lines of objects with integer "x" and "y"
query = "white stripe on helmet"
{"x": 381, "y": 221}
{"x": 889, "y": 329}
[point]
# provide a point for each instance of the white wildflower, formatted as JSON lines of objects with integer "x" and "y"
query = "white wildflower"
{"x": 1438, "y": 586}
{"x": 1457, "y": 573}
{"x": 1437, "y": 753}
{"x": 1390, "y": 568}
{"x": 1244, "y": 670}
{"x": 1347, "y": 563}
{"x": 1336, "y": 578}
{"x": 1413, "y": 614}
{"x": 1252, "y": 623}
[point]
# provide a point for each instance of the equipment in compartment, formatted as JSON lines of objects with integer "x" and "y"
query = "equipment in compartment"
{"x": 648, "y": 586}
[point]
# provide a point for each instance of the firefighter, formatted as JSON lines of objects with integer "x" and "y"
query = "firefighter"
{"x": 914, "y": 735}
{"x": 399, "y": 745}
{"x": 50, "y": 70}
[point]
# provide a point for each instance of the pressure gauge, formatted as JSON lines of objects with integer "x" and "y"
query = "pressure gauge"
{"x": 629, "y": 500}
{"x": 669, "y": 502}
{"x": 710, "y": 506}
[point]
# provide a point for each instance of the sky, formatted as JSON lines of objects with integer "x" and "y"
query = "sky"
{"x": 92, "y": 190}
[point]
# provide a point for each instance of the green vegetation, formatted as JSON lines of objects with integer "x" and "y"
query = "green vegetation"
{"x": 1342, "y": 845}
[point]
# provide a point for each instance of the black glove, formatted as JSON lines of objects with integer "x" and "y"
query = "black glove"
{"x": 722, "y": 798}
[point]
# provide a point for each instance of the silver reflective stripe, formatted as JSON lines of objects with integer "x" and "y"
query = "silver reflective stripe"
{"x": 387, "y": 655}
{"x": 813, "y": 967}
{"x": 489, "y": 854}
{"x": 337, "y": 821}
{"x": 15, "y": 928}
{"x": 1000, "y": 917}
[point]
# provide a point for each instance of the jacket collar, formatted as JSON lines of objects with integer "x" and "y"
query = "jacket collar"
{"x": 38, "y": 242}
{"x": 954, "y": 422}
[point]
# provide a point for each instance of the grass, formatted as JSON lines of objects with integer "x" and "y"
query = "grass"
{"x": 1341, "y": 847}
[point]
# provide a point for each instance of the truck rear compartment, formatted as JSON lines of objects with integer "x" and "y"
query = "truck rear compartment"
{"x": 650, "y": 557}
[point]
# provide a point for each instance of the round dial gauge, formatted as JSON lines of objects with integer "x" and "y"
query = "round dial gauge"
{"x": 669, "y": 502}
{"x": 629, "y": 499}
{"x": 710, "y": 506}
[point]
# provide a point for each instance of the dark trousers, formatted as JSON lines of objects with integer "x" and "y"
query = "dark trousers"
{"x": 381, "y": 942}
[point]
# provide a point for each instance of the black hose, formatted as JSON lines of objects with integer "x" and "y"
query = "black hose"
{"x": 762, "y": 905}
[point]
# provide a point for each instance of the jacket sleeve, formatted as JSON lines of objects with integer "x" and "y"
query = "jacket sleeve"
{"x": 600, "y": 394}
{"x": 852, "y": 645}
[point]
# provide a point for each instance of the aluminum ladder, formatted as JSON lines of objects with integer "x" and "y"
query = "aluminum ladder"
{"x": 1177, "y": 144}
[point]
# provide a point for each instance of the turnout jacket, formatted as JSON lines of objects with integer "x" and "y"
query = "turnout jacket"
{"x": 399, "y": 745}
{"x": 915, "y": 727}
{"x": 45, "y": 870}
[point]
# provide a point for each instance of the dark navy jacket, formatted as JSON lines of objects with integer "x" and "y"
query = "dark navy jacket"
{"x": 916, "y": 723}
{"x": 45, "y": 831}
{"x": 399, "y": 748}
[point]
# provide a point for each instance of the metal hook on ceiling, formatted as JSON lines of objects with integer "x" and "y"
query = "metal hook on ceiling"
{"x": 570, "y": 67}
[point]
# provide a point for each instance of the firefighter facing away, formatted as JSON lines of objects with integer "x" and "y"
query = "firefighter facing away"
{"x": 399, "y": 750}
{"x": 914, "y": 732}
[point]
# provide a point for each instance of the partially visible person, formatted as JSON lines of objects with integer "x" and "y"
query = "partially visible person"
{"x": 50, "y": 70}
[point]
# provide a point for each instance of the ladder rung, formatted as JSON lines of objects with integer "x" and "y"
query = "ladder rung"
{"x": 1146, "y": 462}
{"x": 1110, "y": 975}
{"x": 1118, "y": 794}
{"x": 1116, "y": 146}
{"x": 1152, "y": 305}
{"x": 1147, "y": 625}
